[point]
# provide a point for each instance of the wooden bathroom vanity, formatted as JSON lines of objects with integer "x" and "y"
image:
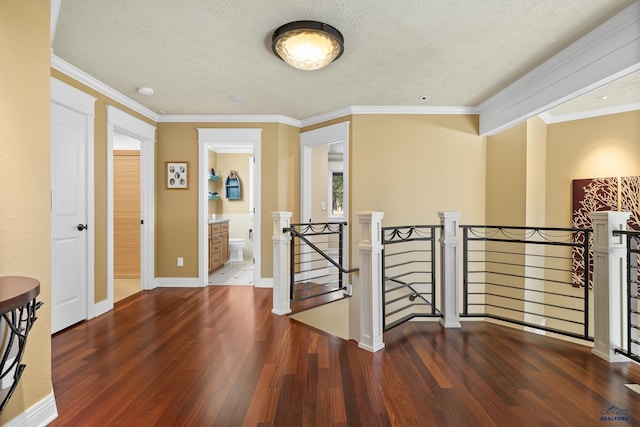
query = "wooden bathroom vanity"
{"x": 218, "y": 243}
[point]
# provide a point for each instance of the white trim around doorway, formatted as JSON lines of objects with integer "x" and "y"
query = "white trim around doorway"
{"x": 121, "y": 122}
{"x": 228, "y": 138}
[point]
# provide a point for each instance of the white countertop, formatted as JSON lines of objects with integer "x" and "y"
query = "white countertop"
{"x": 217, "y": 221}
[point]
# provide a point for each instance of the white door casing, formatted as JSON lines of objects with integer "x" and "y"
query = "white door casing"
{"x": 338, "y": 133}
{"x": 229, "y": 137}
{"x": 119, "y": 121}
{"x": 72, "y": 234}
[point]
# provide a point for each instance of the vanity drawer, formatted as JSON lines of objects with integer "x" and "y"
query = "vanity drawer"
{"x": 216, "y": 238}
{"x": 215, "y": 228}
{"x": 224, "y": 226}
{"x": 215, "y": 259}
{"x": 215, "y": 248}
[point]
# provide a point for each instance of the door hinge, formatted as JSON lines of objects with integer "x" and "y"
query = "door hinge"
{"x": 142, "y": 221}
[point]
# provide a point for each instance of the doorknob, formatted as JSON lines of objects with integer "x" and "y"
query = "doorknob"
{"x": 81, "y": 227}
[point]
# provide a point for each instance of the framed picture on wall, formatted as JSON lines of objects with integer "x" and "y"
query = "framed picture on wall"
{"x": 177, "y": 175}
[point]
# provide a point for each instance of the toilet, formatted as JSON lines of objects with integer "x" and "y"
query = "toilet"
{"x": 235, "y": 249}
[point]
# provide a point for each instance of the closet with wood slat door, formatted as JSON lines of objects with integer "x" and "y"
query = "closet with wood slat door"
{"x": 126, "y": 214}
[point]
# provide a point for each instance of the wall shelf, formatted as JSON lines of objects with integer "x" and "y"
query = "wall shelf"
{"x": 214, "y": 177}
{"x": 232, "y": 186}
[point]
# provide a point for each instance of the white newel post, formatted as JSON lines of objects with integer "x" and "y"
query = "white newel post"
{"x": 370, "y": 248}
{"x": 609, "y": 284}
{"x": 449, "y": 268}
{"x": 281, "y": 263}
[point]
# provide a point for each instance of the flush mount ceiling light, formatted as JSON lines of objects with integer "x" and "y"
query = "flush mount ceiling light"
{"x": 237, "y": 98}
{"x": 307, "y": 45}
{"x": 145, "y": 90}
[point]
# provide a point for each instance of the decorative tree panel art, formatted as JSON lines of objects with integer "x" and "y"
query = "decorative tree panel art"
{"x": 589, "y": 195}
{"x": 600, "y": 194}
{"x": 630, "y": 200}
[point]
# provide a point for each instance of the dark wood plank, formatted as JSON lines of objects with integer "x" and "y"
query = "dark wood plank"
{"x": 217, "y": 356}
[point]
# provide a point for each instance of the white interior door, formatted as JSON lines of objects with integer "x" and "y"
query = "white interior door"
{"x": 69, "y": 282}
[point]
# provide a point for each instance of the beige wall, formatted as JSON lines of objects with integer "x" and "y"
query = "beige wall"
{"x": 412, "y": 166}
{"x": 177, "y": 212}
{"x": 288, "y": 177}
{"x": 506, "y": 177}
{"x": 589, "y": 148}
{"x": 536, "y": 172}
{"x": 25, "y": 230}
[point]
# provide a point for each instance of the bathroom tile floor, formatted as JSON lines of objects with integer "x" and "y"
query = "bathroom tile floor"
{"x": 233, "y": 273}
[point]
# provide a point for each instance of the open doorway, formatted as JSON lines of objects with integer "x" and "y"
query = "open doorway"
{"x": 128, "y": 133}
{"x": 324, "y": 177}
{"x": 245, "y": 223}
{"x": 235, "y": 207}
{"x": 126, "y": 216}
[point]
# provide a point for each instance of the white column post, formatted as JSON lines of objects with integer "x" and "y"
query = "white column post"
{"x": 370, "y": 248}
{"x": 449, "y": 269}
{"x": 609, "y": 284}
{"x": 281, "y": 263}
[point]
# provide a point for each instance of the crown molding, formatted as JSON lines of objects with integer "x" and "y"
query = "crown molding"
{"x": 388, "y": 109}
{"x": 412, "y": 109}
{"x": 610, "y": 51}
{"x": 320, "y": 118}
{"x": 229, "y": 119}
{"x": 549, "y": 118}
{"x": 95, "y": 84}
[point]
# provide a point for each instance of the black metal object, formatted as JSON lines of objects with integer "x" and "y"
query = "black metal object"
{"x": 18, "y": 307}
{"x": 496, "y": 277}
{"x": 409, "y": 274}
{"x": 632, "y": 350}
{"x": 310, "y": 243}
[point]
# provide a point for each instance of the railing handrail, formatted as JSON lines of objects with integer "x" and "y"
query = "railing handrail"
{"x": 293, "y": 231}
{"x": 400, "y": 234}
{"x": 519, "y": 227}
{"x": 527, "y": 235}
{"x": 626, "y": 232}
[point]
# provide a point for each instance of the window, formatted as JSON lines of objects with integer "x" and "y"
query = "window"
{"x": 337, "y": 191}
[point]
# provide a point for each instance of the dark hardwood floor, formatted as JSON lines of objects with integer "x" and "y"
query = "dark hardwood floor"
{"x": 216, "y": 356}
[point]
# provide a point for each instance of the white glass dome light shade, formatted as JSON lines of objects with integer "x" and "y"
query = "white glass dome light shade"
{"x": 307, "y": 45}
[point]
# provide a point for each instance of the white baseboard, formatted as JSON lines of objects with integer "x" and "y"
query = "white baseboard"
{"x": 178, "y": 282}
{"x": 100, "y": 308}
{"x": 264, "y": 283}
{"x": 610, "y": 356}
{"x": 39, "y": 415}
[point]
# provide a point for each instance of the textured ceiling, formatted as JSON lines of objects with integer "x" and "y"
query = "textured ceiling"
{"x": 196, "y": 53}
